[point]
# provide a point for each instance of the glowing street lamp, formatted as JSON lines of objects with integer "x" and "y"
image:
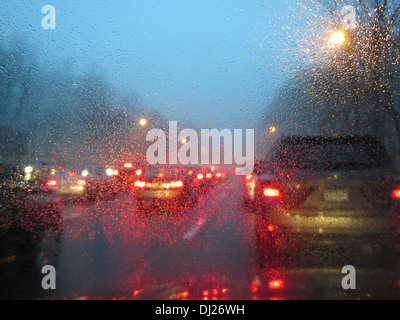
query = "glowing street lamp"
{"x": 337, "y": 38}
{"x": 143, "y": 122}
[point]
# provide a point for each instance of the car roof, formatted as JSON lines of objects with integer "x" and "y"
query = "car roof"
{"x": 345, "y": 139}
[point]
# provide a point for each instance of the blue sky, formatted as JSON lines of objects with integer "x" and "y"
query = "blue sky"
{"x": 216, "y": 62}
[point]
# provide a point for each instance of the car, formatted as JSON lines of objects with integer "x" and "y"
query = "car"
{"x": 207, "y": 178}
{"x": 88, "y": 184}
{"x": 326, "y": 191}
{"x": 28, "y": 227}
{"x": 171, "y": 186}
{"x": 128, "y": 172}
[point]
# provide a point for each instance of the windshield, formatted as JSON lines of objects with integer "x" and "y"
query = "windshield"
{"x": 199, "y": 150}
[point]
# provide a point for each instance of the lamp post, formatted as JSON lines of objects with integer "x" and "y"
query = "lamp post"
{"x": 340, "y": 41}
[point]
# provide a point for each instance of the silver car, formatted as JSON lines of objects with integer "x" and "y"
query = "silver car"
{"x": 323, "y": 191}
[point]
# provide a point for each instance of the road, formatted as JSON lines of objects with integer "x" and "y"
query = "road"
{"x": 110, "y": 250}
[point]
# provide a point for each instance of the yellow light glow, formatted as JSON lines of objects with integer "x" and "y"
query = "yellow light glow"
{"x": 143, "y": 122}
{"x": 28, "y": 169}
{"x": 337, "y": 38}
{"x": 140, "y": 184}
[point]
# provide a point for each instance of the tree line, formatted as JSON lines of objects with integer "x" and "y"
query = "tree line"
{"x": 63, "y": 117}
{"x": 354, "y": 88}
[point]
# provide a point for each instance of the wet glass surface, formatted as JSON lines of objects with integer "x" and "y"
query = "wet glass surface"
{"x": 123, "y": 126}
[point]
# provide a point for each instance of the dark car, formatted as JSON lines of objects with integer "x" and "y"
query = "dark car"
{"x": 172, "y": 186}
{"x": 324, "y": 191}
{"x": 28, "y": 227}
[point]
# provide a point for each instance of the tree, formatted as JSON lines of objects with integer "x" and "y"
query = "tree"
{"x": 354, "y": 90}
{"x": 373, "y": 50}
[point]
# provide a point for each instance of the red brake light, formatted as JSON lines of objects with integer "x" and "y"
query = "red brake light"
{"x": 271, "y": 193}
{"x": 72, "y": 173}
{"x": 208, "y": 175}
{"x": 396, "y": 194}
{"x": 81, "y": 182}
{"x": 219, "y": 175}
{"x": 139, "y": 172}
{"x": 276, "y": 284}
{"x": 51, "y": 183}
{"x": 200, "y": 176}
{"x": 177, "y": 184}
{"x": 249, "y": 177}
{"x": 128, "y": 165}
{"x": 116, "y": 172}
{"x": 272, "y": 228}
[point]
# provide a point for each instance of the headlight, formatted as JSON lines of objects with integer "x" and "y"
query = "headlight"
{"x": 28, "y": 169}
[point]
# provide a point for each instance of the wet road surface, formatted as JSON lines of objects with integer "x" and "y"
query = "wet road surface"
{"x": 110, "y": 250}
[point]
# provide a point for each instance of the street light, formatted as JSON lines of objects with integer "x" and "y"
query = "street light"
{"x": 143, "y": 122}
{"x": 337, "y": 38}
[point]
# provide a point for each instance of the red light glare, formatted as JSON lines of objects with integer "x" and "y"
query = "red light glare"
{"x": 249, "y": 177}
{"x": 396, "y": 194}
{"x": 271, "y": 193}
{"x": 208, "y": 175}
{"x": 176, "y": 184}
{"x": 128, "y": 165}
{"x": 51, "y": 182}
{"x": 136, "y": 293}
{"x": 219, "y": 175}
{"x": 271, "y": 228}
{"x": 72, "y": 173}
{"x": 254, "y": 286}
{"x": 275, "y": 284}
{"x": 139, "y": 184}
{"x": 139, "y": 172}
{"x": 206, "y": 293}
{"x": 200, "y": 176}
{"x": 81, "y": 182}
